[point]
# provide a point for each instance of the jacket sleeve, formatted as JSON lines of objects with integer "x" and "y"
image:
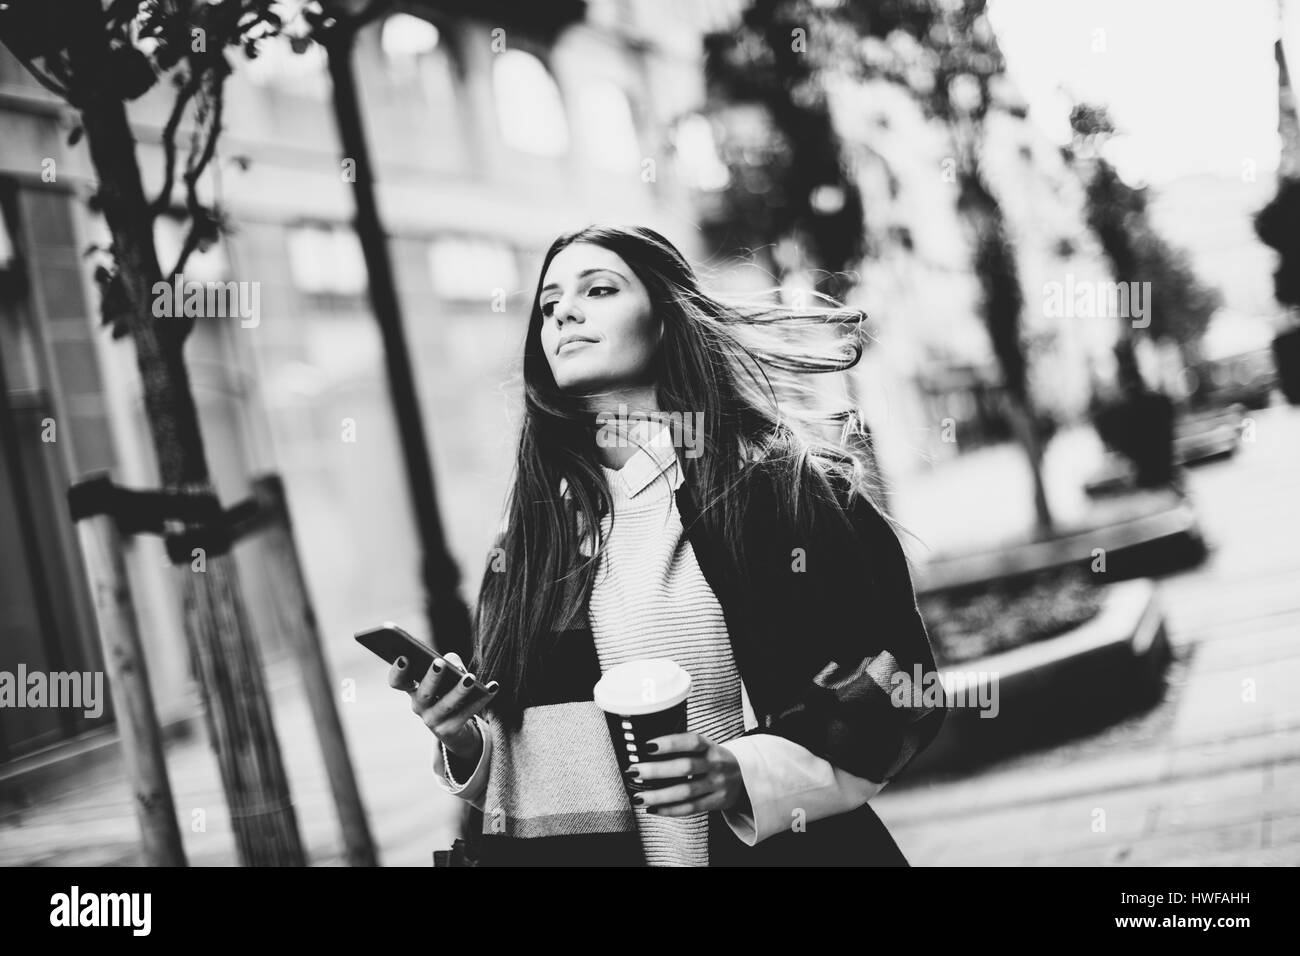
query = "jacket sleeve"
{"x": 474, "y": 788}
{"x": 876, "y": 701}
{"x": 784, "y": 782}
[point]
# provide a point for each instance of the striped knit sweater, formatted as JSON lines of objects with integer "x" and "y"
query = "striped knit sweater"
{"x": 649, "y": 599}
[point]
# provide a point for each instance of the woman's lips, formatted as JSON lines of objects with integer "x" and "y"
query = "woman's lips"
{"x": 572, "y": 342}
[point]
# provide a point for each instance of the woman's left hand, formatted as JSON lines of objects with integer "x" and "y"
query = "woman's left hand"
{"x": 717, "y": 785}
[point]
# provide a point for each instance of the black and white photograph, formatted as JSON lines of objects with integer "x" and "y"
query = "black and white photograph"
{"x": 651, "y": 433}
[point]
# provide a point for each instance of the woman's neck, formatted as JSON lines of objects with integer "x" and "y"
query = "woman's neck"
{"x": 616, "y": 412}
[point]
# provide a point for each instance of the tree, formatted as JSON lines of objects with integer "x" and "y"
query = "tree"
{"x": 963, "y": 94}
{"x": 335, "y": 24}
{"x": 1278, "y": 227}
{"x": 946, "y": 56}
{"x": 768, "y": 60}
{"x": 1278, "y": 223}
{"x": 1180, "y": 305}
{"x": 795, "y": 189}
{"x": 97, "y": 58}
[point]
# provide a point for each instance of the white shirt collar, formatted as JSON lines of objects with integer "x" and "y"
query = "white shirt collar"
{"x": 655, "y": 456}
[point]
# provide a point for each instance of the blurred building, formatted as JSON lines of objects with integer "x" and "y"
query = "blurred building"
{"x": 488, "y": 142}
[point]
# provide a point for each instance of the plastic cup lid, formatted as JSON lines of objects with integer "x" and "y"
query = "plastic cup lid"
{"x": 642, "y": 687}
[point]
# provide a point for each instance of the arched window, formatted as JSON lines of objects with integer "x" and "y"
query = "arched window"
{"x": 278, "y": 67}
{"x": 404, "y": 37}
{"x": 608, "y": 131}
{"x": 697, "y": 154}
{"x": 530, "y": 112}
{"x": 416, "y": 56}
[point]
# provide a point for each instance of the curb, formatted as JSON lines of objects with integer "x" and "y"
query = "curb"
{"x": 24, "y": 777}
{"x": 1166, "y": 540}
{"x": 1083, "y": 679}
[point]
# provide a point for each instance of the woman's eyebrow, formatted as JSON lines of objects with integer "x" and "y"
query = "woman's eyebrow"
{"x": 582, "y": 275}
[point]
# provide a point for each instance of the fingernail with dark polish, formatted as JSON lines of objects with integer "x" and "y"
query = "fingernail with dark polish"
{"x": 639, "y": 801}
{"x": 401, "y": 663}
{"x": 652, "y": 748}
{"x": 493, "y": 686}
{"x": 468, "y": 681}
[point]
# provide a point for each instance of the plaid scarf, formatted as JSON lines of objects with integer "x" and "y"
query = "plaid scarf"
{"x": 554, "y": 785}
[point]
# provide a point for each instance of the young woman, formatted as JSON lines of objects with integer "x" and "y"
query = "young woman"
{"x": 666, "y": 504}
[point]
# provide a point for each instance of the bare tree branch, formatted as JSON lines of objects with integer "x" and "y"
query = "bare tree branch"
{"x": 183, "y": 97}
{"x": 49, "y": 82}
{"x": 195, "y": 165}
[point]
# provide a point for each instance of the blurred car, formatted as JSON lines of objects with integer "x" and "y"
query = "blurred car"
{"x": 1238, "y": 364}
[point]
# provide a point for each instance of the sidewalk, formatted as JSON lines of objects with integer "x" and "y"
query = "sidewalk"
{"x": 89, "y": 820}
{"x": 1220, "y": 784}
{"x": 1214, "y": 779}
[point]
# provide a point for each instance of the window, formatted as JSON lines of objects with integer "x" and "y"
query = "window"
{"x": 404, "y": 40}
{"x": 697, "y": 154}
{"x": 278, "y": 67}
{"x": 608, "y": 130}
{"x": 209, "y": 265}
{"x": 406, "y": 37}
{"x": 530, "y": 112}
{"x": 325, "y": 259}
{"x": 7, "y": 254}
{"x": 469, "y": 269}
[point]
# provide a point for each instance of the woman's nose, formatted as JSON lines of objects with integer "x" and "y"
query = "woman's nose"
{"x": 566, "y": 313}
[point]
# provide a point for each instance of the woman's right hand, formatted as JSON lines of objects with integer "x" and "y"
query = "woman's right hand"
{"x": 445, "y": 704}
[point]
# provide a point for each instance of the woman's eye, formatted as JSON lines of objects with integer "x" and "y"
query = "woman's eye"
{"x": 548, "y": 308}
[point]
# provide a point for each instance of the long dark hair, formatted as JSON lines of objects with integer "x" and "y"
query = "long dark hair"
{"x": 739, "y": 363}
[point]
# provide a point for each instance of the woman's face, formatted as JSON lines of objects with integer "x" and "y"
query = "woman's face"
{"x": 598, "y": 330}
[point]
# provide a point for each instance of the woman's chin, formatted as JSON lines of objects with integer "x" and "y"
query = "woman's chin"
{"x": 576, "y": 384}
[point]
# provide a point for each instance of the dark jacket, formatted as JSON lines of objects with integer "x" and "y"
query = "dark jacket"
{"x": 819, "y": 636}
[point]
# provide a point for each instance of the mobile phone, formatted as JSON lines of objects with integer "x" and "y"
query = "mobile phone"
{"x": 391, "y": 642}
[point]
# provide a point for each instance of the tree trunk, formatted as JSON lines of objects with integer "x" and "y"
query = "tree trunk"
{"x": 1128, "y": 371}
{"x": 449, "y": 617}
{"x": 996, "y": 268}
{"x": 1026, "y": 430}
{"x": 223, "y": 653}
{"x": 239, "y": 716}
